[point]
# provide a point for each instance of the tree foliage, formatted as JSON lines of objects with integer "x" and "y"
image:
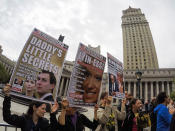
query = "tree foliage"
{"x": 4, "y": 75}
{"x": 172, "y": 95}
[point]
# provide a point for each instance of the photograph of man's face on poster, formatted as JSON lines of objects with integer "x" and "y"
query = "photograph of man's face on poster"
{"x": 115, "y": 77}
{"x": 113, "y": 84}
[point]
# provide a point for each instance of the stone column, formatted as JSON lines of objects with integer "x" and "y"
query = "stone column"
{"x": 61, "y": 87}
{"x": 152, "y": 94}
{"x": 163, "y": 88}
{"x": 146, "y": 91}
{"x": 129, "y": 87}
{"x": 135, "y": 91}
{"x": 66, "y": 87}
{"x": 173, "y": 86}
{"x": 157, "y": 87}
{"x": 124, "y": 85}
{"x": 168, "y": 88}
{"x": 141, "y": 90}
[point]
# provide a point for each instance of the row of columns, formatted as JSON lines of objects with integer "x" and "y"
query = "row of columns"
{"x": 64, "y": 83}
{"x": 135, "y": 90}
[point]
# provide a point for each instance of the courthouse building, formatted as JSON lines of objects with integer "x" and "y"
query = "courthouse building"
{"x": 139, "y": 53}
{"x": 6, "y": 62}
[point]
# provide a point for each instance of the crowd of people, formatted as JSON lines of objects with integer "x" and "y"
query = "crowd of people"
{"x": 132, "y": 114}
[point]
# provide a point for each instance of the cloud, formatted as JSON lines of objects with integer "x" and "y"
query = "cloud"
{"x": 95, "y": 22}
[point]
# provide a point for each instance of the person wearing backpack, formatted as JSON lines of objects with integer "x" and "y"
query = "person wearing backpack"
{"x": 164, "y": 116}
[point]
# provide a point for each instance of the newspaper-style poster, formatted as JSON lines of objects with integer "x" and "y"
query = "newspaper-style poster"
{"x": 115, "y": 77}
{"x": 86, "y": 78}
{"x": 39, "y": 67}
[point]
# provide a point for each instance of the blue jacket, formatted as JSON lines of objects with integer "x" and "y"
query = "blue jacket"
{"x": 163, "y": 118}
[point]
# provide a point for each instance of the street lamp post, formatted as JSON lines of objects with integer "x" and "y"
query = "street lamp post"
{"x": 138, "y": 75}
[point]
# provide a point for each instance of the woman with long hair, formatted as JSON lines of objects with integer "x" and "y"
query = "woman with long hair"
{"x": 33, "y": 120}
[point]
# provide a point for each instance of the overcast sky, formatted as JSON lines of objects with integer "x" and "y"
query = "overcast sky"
{"x": 94, "y": 22}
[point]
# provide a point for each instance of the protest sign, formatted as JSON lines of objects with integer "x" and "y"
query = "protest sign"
{"x": 41, "y": 52}
{"x": 115, "y": 77}
{"x": 86, "y": 78}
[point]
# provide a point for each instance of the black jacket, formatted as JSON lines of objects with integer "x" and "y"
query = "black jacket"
{"x": 82, "y": 122}
{"x": 25, "y": 122}
{"x": 49, "y": 98}
{"x": 128, "y": 122}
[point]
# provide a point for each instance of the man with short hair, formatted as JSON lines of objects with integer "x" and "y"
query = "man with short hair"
{"x": 45, "y": 84}
{"x": 113, "y": 85}
{"x": 163, "y": 115}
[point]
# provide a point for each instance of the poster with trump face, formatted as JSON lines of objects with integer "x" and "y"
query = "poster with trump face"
{"x": 39, "y": 67}
{"x": 115, "y": 77}
{"x": 86, "y": 78}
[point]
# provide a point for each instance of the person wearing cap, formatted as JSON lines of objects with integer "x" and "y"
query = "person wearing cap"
{"x": 72, "y": 120}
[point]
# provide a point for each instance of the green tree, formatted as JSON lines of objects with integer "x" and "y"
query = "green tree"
{"x": 172, "y": 95}
{"x": 4, "y": 75}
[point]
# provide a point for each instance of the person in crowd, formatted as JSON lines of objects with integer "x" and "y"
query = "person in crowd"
{"x": 33, "y": 120}
{"x": 91, "y": 85}
{"x": 71, "y": 120}
{"x": 128, "y": 97}
{"x": 147, "y": 106}
{"x": 172, "y": 125}
{"x": 153, "y": 116}
{"x": 30, "y": 87}
{"x": 103, "y": 98}
{"x": 108, "y": 115}
{"x": 171, "y": 104}
{"x": 113, "y": 85}
{"x": 163, "y": 115}
{"x": 45, "y": 85}
{"x": 130, "y": 123}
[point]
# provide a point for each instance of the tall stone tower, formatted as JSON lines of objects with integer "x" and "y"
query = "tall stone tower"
{"x": 138, "y": 45}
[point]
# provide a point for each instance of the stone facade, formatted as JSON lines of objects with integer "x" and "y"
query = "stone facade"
{"x": 139, "y": 53}
{"x": 152, "y": 82}
{"x": 138, "y": 45}
{"x": 6, "y": 62}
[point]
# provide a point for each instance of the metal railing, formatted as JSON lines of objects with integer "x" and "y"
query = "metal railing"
{"x": 6, "y": 126}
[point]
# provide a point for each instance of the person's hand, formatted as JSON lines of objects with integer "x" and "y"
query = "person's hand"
{"x": 109, "y": 100}
{"x": 54, "y": 107}
{"x": 7, "y": 89}
{"x": 64, "y": 103}
{"x": 96, "y": 108}
{"x": 172, "y": 111}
